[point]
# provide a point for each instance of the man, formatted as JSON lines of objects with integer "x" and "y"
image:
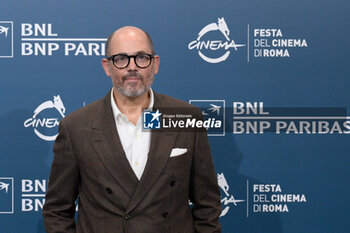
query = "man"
{"x": 127, "y": 179}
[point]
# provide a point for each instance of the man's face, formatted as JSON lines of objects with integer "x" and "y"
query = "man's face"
{"x": 131, "y": 81}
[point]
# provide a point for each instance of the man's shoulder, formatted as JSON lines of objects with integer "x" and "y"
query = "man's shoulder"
{"x": 168, "y": 101}
{"x": 85, "y": 114}
{"x": 172, "y": 105}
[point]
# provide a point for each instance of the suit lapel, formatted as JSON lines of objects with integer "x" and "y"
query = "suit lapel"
{"x": 104, "y": 137}
{"x": 161, "y": 145}
{"x": 105, "y": 140}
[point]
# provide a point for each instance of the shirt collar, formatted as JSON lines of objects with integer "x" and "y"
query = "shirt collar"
{"x": 117, "y": 112}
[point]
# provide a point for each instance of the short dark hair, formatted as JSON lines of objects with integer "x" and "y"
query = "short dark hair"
{"x": 108, "y": 42}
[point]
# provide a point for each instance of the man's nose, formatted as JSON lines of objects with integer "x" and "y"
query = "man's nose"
{"x": 132, "y": 64}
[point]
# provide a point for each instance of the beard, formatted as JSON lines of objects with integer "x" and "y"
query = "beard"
{"x": 132, "y": 89}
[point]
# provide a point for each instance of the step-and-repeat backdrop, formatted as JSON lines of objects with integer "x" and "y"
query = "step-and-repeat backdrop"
{"x": 275, "y": 73}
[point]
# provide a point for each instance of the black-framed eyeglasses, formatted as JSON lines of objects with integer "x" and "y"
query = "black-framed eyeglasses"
{"x": 121, "y": 61}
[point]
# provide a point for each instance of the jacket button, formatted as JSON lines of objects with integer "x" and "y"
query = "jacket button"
{"x": 173, "y": 183}
{"x": 108, "y": 190}
{"x": 127, "y": 217}
{"x": 165, "y": 214}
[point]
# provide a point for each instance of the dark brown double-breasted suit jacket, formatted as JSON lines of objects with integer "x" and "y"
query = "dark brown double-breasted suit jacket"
{"x": 90, "y": 164}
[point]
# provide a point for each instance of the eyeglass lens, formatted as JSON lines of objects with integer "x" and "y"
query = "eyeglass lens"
{"x": 141, "y": 60}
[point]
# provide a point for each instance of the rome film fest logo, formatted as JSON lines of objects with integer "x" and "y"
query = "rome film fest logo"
{"x": 46, "y": 123}
{"x": 213, "y": 45}
{"x": 229, "y": 198}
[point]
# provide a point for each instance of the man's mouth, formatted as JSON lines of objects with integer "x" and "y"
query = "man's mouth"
{"x": 132, "y": 79}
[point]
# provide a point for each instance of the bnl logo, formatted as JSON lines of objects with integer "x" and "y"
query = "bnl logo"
{"x": 151, "y": 120}
{"x": 212, "y": 109}
{"x": 6, "y": 195}
{"x": 6, "y": 39}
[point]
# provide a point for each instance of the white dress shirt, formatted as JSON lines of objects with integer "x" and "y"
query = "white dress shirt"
{"x": 135, "y": 140}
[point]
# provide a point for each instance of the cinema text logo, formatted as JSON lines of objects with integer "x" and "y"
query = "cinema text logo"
{"x": 6, "y": 195}
{"x": 229, "y": 198}
{"x": 42, "y": 123}
{"x": 214, "y": 45}
{"x": 6, "y": 39}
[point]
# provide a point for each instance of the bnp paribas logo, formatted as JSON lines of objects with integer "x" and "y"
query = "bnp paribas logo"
{"x": 213, "y": 43}
{"x": 6, "y": 195}
{"x": 213, "y": 110}
{"x": 4, "y": 30}
{"x": 6, "y": 39}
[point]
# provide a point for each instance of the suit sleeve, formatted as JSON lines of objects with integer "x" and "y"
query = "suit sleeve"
{"x": 59, "y": 207}
{"x": 204, "y": 190}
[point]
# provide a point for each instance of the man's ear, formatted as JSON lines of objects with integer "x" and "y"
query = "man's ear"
{"x": 156, "y": 61}
{"x": 105, "y": 65}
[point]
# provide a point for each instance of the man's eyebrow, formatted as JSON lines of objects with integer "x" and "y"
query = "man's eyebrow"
{"x": 136, "y": 53}
{"x": 141, "y": 52}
